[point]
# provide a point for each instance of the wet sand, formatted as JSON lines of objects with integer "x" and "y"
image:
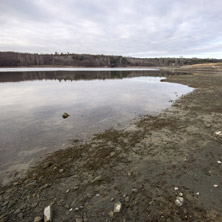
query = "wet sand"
{"x": 145, "y": 167}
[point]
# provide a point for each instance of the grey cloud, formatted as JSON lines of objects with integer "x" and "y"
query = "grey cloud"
{"x": 134, "y": 28}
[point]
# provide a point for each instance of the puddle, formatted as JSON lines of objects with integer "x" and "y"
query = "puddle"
{"x": 32, "y": 104}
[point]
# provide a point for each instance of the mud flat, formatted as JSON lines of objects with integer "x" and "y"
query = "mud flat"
{"x": 162, "y": 168}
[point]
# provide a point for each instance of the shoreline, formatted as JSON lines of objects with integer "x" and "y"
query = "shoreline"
{"x": 139, "y": 167}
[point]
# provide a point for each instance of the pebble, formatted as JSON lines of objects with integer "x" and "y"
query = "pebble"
{"x": 175, "y": 188}
{"x": 61, "y": 170}
{"x": 34, "y": 205}
{"x": 127, "y": 199}
{"x": 67, "y": 191}
{"x": 111, "y": 213}
{"x": 215, "y": 185}
{"x": 112, "y": 154}
{"x": 180, "y": 194}
{"x": 48, "y": 214}
{"x": 117, "y": 207}
{"x": 78, "y": 219}
{"x": 198, "y": 193}
{"x": 76, "y": 188}
{"x": 37, "y": 219}
{"x": 20, "y": 215}
{"x": 17, "y": 211}
{"x": 218, "y": 133}
{"x": 219, "y": 162}
{"x": 70, "y": 209}
{"x": 96, "y": 179}
{"x": 179, "y": 201}
{"x": 112, "y": 199}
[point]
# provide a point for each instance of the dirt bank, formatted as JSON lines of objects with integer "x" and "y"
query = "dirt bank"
{"x": 146, "y": 167}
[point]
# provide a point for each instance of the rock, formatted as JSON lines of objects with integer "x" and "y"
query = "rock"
{"x": 117, "y": 207}
{"x": 219, "y": 162}
{"x": 180, "y": 194}
{"x": 76, "y": 188}
{"x": 31, "y": 185}
{"x": 112, "y": 154}
{"x": 17, "y": 211}
{"x": 21, "y": 216}
{"x": 111, "y": 213}
{"x": 215, "y": 185}
{"x": 78, "y": 219}
{"x": 48, "y": 214}
{"x": 175, "y": 188}
{"x": 127, "y": 199}
{"x": 67, "y": 191}
{"x": 34, "y": 205}
{"x": 134, "y": 190}
{"x": 46, "y": 165}
{"x": 37, "y": 219}
{"x": 61, "y": 170}
{"x": 218, "y": 133}
{"x": 15, "y": 183}
{"x": 96, "y": 179}
{"x": 44, "y": 186}
{"x": 179, "y": 201}
{"x": 65, "y": 115}
{"x": 112, "y": 199}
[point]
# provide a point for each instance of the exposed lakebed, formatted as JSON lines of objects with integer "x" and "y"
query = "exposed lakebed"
{"x": 32, "y": 104}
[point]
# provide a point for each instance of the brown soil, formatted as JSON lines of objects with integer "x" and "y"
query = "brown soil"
{"x": 141, "y": 166}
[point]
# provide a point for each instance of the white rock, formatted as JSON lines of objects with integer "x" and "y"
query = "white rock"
{"x": 218, "y": 133}
{"x": 117, "y": 207}
{"x": 175, "y": 188}
{"x": 215, "y": 185}
{"x": 179, "y": 201}
{"x": 48, "y": 214}
{"x": 219, "y": 162}
{"x": 198, "y": 193}
{"x": 180, "y": 194}
{"x": 70, "y": 209}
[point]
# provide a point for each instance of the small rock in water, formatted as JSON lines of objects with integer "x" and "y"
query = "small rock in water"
{"x": 179, "y": 201}
{"x": 117, "y": 207}
{"x": 48, "y": 214}
{"x": 37, "y": 219}
{"x": 65, "y": 115}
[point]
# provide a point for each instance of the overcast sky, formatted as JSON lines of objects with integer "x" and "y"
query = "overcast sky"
{"x": 139, "y": 28}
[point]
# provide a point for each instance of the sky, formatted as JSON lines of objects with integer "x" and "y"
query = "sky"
{"x": 137, "y": 28}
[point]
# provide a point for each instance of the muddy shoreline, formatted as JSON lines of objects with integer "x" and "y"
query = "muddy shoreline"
{"x": 145, "y": 167}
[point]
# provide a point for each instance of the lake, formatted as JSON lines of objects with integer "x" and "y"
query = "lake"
{"x": 33, "y": 102}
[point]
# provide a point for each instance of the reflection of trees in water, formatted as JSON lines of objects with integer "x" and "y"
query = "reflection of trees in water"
{"x": 77, "y": 75}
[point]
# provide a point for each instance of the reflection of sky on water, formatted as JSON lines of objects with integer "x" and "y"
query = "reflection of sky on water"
{"x": 31, "y": 111}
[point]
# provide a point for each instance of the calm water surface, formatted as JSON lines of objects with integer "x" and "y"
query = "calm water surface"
{"x": 32, "y": 104}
